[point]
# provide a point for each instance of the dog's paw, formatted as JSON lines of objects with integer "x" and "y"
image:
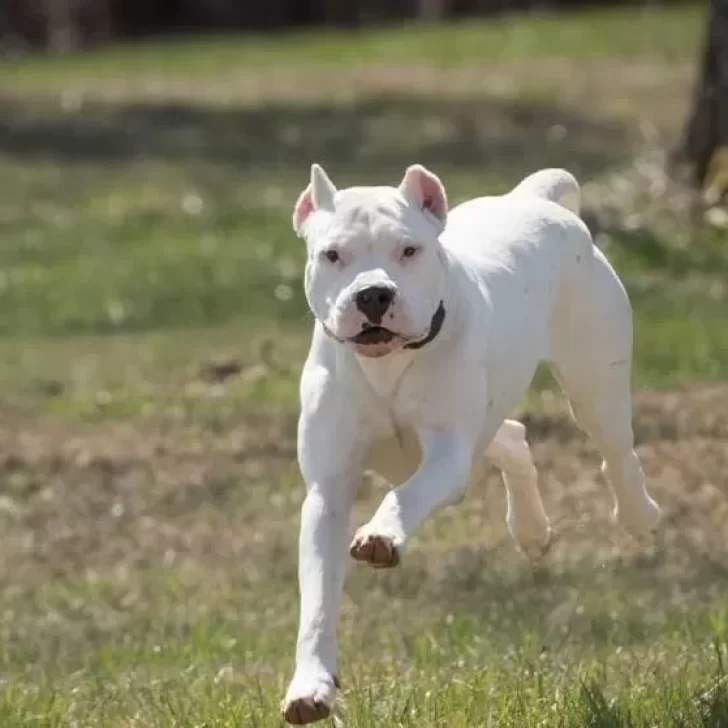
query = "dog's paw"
{"x": 310, "y": 696}
{"x": 533, "y": 535}
{"x": 535, "y": 546}
{"x": 378, "y": 549}
{"x": 639, "y": 520}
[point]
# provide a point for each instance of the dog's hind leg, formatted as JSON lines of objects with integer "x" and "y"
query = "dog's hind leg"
{"x": 592, "y": 358}
{"x": 526, "y": 518}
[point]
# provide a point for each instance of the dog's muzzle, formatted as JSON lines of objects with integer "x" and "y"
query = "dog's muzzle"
{"x": 381, "y": 335}
{"x": 373, "y": 335}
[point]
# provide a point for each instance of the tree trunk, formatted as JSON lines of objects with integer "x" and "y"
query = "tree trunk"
{"x": 707, "y": 128}
{"x": 61, "y": 29}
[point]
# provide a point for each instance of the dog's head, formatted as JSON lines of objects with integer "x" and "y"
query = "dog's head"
{"x": 375, "y": 270}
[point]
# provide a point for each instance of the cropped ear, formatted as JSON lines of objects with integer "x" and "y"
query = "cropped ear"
{"x": 424, "y": 189}
{"x": 319, "y": 195}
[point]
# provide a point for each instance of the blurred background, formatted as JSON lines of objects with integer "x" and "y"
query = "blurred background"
{"x": 153, "y": 327}
{"x": 65, "y": 25}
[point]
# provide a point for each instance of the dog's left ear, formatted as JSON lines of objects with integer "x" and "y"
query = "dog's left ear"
{"x": 318, "y": 195}
{"x": 424, "y": 189}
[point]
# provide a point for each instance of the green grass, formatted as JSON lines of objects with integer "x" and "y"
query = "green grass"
{"x": 164, "y": 673}
{"x": 148, "y": 515}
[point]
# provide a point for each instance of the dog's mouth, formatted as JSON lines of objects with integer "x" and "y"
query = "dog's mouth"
{"x": 373, "y": 335}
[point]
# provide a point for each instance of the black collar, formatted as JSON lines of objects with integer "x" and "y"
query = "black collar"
{"x": 435, "y": 326}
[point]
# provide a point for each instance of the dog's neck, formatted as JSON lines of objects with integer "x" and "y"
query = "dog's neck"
{"x": 385, "y": 373}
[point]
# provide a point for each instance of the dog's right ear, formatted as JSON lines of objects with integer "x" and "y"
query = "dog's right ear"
{"x": 319, "y": 195}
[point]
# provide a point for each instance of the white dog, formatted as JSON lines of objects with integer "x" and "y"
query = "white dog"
{"x": 427, "y": 334}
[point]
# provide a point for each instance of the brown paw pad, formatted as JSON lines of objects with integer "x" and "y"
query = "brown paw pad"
{"x": 377, "y": 551}
{"x": 305, "y": 710}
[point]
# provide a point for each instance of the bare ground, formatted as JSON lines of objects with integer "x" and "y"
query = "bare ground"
{"x": 80, "y": 499}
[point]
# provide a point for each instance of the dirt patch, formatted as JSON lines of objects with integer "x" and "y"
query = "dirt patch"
{"x": 79, "y": 499}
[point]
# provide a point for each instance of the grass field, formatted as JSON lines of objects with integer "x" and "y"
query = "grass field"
{"x": 149, "y": 504}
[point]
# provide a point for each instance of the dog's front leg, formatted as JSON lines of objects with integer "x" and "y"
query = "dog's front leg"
{"x": 330, "y": 464}
{"x": 442, "y": 477}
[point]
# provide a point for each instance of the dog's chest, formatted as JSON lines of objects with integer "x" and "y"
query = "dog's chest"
{"x": 385, "y": 375}
{"x": 391, "y": 414}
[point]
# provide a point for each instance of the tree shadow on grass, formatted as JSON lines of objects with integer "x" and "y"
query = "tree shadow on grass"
{"x": 373, "y": 136}
{"x": 479, "y": 145}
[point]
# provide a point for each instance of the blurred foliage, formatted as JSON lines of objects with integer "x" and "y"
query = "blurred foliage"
{"x": 64, "y": 25}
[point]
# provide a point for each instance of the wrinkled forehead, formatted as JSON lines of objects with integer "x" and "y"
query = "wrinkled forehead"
{"x": 376, "y": 215}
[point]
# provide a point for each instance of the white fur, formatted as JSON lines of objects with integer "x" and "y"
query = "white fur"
{"x": 521, "y": 283}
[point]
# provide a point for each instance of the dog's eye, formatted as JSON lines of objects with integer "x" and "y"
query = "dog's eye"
{"x": 332, "y": 256}
{"x": 409, "y": 252}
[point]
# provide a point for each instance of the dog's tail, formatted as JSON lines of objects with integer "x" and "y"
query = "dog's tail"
{"x": 556, "y": 185}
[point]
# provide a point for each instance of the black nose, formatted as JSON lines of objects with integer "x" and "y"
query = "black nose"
{"x": 374, "y": 301}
